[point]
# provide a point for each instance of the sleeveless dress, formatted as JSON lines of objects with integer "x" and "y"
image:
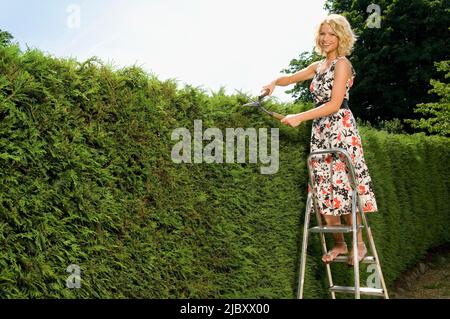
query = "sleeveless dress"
{"x": 333, "y": 193}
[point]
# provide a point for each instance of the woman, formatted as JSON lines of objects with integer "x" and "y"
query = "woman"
{"x": 333, "y": 127}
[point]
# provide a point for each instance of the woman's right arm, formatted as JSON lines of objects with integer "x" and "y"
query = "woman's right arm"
{"x": 302, "y": 75}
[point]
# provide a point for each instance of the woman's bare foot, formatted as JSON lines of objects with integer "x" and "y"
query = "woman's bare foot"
{"x": 338, "y": 249}
{"x": 362, "y": 252}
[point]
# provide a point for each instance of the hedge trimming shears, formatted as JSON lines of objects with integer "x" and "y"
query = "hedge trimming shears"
{"x": 258, "y": 103}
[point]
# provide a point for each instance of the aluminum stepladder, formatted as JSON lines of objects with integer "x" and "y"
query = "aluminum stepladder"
{"x": 321, "y": 229}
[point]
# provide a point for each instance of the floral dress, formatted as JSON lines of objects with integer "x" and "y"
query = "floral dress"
{"x": 333, "y": 193}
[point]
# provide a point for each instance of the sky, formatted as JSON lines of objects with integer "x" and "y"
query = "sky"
{"x": 234, "y": 44}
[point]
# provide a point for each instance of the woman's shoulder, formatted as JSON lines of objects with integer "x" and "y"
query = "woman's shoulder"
{"x": 345, "y": 62}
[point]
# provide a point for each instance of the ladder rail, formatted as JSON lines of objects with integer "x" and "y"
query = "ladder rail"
{"x": 324, "y": 250}
{"x": 375, "y": 254}
{"x": 355, "y": 249}
{"x": 303, "y": 253}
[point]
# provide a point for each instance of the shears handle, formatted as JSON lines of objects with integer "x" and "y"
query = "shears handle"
{"x": 278, "y": 116}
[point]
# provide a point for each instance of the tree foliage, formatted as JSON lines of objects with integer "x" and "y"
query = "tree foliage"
{"x": 5, "y": 38}
{"x": 438, "y": 121}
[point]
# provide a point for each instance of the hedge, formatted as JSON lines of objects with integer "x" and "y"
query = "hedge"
{"x": 87, "y": 179}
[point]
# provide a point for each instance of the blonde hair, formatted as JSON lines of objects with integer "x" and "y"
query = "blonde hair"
{"x": 344, "y": 32}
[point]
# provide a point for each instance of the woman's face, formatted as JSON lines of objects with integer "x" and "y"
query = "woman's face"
{"x": 328, "y": 39}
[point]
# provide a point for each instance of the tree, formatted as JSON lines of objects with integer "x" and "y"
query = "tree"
{"x": 5, "y": 38}
{"x": 439, "y": 122}
{"x": 393, "y": 63}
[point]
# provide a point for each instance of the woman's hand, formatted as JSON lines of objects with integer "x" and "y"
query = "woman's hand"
{"x": 270, "y": 87}
{"x": 293, "y": 120}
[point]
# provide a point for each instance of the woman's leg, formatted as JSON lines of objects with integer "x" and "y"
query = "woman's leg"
{"x": 362, "y": 251}
{"x": 339, "y": 242}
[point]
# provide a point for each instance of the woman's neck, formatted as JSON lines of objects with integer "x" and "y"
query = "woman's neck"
{"x": 332, "y": 56}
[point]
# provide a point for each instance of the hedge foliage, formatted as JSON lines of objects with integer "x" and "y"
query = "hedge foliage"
{"x": 87, "y": 178}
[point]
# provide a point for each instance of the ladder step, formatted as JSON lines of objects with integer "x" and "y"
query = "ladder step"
{"x": 362, "y": 290}
{"x": 344, "y": 259}
{"x": 333, "y": 229}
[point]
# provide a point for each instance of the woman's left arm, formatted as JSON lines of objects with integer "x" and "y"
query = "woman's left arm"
{"x": 342, "y": 73}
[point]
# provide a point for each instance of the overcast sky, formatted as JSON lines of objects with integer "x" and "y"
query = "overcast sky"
{"x": 236, "y": 44}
